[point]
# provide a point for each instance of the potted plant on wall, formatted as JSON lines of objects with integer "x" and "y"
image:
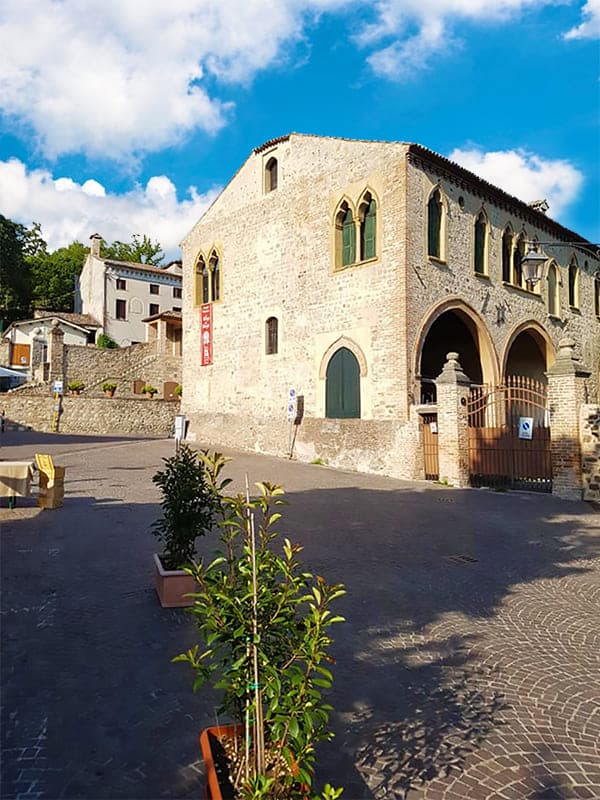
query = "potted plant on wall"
{"x": 265, "y": 628}
{"x": 75, "y": 387}
{"x": 191, "y": 501}
{"x": 149, "y": 391}
{"x": 109, "y": 388}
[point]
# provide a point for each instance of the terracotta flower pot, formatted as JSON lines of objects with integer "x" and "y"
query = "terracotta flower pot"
{"x": 172, "y": 584}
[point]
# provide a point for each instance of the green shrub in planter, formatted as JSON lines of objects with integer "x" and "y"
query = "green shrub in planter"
{"x": 148, "y": 389}
{"x": 76, "y": 386}
{"x": 191, "y": 501}
{"x": 109, "y": 386}
{"x": 178, "y": 390}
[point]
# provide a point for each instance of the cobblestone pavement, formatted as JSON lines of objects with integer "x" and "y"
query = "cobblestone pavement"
{"x": 468, "y": 667}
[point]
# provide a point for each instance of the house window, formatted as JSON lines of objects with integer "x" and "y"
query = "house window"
{"x": 342, "y": 392}
{"x": 205, "y": 283}
{"x": 368, "y": 222}
{"x": 480, "y": 250}
{"x": 199, "y": 281}
{"x": 121, "y": 284}
{"x": 271, "y": 336}
{"x": 176, "y": 308}
{"x": 553, "y": 296}
{"x": 435, "y": 211}
{"x": 177, "y": 291}
{"x": 271, "y": 175}
{"x": 506, "y": 254}
{"x": 154, "y": 288}
{"x": 573, "y": 284}
{"x": 121, "y": 309}
{"x": 154, "y": 309}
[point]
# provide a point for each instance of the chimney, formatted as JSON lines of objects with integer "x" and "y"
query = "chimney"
{"x": 96, "y": 241}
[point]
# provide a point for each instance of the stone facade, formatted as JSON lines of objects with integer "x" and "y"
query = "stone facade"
{"x": 279, "y": 259}
{"x": 91, "y": 415}
{"x": 590, "y": 444}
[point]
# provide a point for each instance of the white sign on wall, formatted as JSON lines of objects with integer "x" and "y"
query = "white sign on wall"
{"x": 525, "y": 427}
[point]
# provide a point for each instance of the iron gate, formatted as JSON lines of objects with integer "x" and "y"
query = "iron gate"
{"x": 499, "y": 419}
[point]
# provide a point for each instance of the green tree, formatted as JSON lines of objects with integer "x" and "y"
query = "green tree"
{"x": 15, "y": 278}
{"x": 141, "y": 250}
{"x": 54, "y": 275}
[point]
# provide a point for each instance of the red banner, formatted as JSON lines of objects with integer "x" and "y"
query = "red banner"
{"x": 206, "y": 334}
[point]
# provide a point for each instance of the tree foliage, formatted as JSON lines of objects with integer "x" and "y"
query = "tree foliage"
{"x": 54, "y": 275}
{"x": 140, "y": 250}
{"x": 15, "y": 276}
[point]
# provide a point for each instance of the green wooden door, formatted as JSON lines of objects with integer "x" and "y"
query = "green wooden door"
{"x": 342, "y": 400}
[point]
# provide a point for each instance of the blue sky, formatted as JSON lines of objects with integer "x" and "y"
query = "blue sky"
{"x": 123, "y": 121}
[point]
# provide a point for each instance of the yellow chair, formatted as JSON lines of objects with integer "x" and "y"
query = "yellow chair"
{"x": 52, "y": 482}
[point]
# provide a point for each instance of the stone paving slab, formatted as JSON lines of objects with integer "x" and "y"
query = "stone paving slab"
{"x": 468, "y": 666}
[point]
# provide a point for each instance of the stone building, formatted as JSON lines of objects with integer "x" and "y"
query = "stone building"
{"x": 120, "y": 294}
{"x": 346, "y": 271}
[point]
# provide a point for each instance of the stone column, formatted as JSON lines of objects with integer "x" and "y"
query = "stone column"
{"x": 566, "y": 394}
{"x": 589, "y": 427}
{"x": 38, "y": 346}
{"x": 56, "y": 351}
{"x": 453, "y": 443}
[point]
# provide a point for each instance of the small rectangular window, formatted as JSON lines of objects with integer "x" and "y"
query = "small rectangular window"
{"x": 176, "y": 308}
{"x": 154, "y": 288}
{"x": 154, "y": 309}
{"x": 121, "y": 309}
{"x": 121, "y": 284}
{"x": 176, "y": 291}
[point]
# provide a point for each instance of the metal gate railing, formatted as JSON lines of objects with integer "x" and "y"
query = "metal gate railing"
{"x": 500, "y": 417}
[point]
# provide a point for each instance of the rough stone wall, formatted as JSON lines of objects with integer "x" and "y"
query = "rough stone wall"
{"x": 590, "y": 451}
{"x": 92, "y": 415}
{"x": 94, "y": 365}
{"x": 501, "y": 307}
{"x": 377, "y": 446}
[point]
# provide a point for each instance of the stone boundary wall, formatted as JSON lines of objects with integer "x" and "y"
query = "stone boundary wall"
{"x": 372, "y": 446}
{"x": 90, "y": 415}
{"x": 590, "y": 451}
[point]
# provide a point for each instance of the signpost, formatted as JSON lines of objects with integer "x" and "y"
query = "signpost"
{"x": 291, "y": 416}
{"x": 179, "y": 430}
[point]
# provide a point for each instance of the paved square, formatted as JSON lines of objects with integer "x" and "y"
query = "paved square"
{"x": 468, "y": 666}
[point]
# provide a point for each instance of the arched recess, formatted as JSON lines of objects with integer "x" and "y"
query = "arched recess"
{"x": 454, "y": 326}
{"x": 349, "y": 344}
{"x": 529, "y": 351}
{"x": 437, "y": 220}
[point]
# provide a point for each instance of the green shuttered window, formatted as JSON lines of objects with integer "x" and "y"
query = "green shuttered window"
{"x": 349, "y": 239}
{"x": 368, "y": 231}
{"x": 342, "y": 399}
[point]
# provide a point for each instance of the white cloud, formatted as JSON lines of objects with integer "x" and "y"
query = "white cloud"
{"x": 590, "y": 27}
{"x": 68, "y": 210}
{"x": 113, "y": 78}
{"x": 525, "y": 175}
{"x": 116, "y": 79}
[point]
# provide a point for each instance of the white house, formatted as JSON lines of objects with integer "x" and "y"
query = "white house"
{"x": 121, "y": 294}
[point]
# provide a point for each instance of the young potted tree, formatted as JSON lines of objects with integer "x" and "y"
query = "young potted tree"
{"x": 191, "y": 500}
{"x": 109, "y": 388}
{"x": 265, "y": 628}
